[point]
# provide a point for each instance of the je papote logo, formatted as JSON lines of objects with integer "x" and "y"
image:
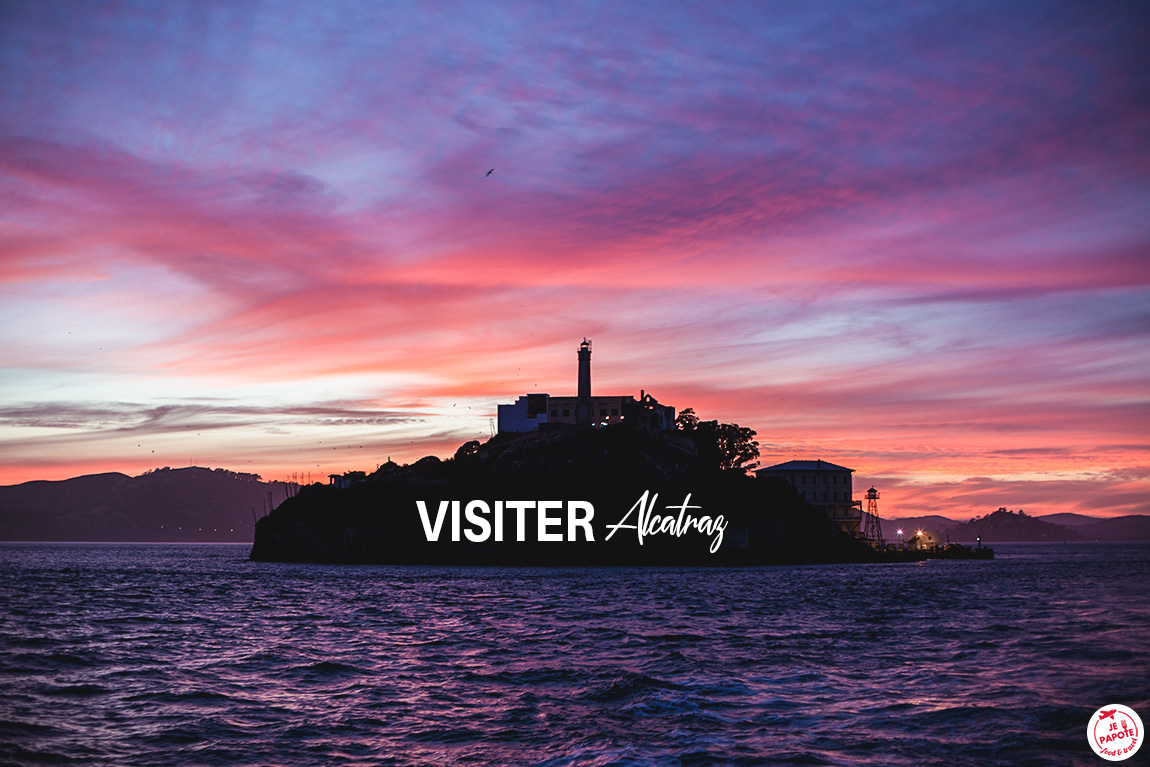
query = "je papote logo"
{"x": 1115, "y": 732}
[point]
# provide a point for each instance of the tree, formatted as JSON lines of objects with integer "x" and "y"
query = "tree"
{"x": 726, "y": 445}
{"x": 467, "y": 449}
{"x": 687, "y": 420}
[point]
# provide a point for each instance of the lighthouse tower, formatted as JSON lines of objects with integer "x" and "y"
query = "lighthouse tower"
{"x": 583, "y": 403}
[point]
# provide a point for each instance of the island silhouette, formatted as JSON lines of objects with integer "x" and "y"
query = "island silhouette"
{"x": 594, "y": 478}
{"x": 376, "y": 517}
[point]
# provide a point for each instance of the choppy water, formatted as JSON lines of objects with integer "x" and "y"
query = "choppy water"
{"x": 192, "y": 655}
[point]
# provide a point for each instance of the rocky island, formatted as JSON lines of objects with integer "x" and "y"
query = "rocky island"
{"x": 610, "y": 495}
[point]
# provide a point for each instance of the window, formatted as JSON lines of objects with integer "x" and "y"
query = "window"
{"x": 554, "y": 412}
{"x": 602, "y": 412}
{"x": 566, "y": 412}
{"x": 614, "y": 411}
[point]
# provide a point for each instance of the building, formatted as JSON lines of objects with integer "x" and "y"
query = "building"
{"x": 347, "y": 479}
{"x": 531, "y": 412}
{"x": 925, "y": 540}
{"x": 527, "y": 413}
{"x": 825, "y": 486}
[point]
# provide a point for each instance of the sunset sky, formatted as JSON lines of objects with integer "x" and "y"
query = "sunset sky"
{"x": 912, "y": 241}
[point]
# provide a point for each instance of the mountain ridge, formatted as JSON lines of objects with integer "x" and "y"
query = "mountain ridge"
{"x": 192, "y": 504}
{"x": 1004, "y": 526}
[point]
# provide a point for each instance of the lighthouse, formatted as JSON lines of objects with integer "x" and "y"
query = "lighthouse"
{"x": 583, "y": 403}
{"x": 538, "y": 411}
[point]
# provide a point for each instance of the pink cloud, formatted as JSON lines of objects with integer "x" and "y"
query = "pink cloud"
{"x": 912, "y": 241}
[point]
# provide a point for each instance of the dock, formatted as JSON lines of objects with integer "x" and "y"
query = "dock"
{"x": 949, "y": 551}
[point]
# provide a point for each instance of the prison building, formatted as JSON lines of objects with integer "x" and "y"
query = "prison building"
{"x": 825, "y": 486}
{"x": 532, "y": 412}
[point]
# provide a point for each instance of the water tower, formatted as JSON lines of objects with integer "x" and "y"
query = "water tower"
{"x": 872, "y": 534}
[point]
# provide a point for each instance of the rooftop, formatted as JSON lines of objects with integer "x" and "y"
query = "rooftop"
{"x": 804, "y": 466}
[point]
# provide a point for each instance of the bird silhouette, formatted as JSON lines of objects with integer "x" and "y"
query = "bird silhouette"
{"x": 490, "y": 172}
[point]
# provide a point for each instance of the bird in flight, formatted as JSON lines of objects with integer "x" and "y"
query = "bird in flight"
{"x": 490, "y": 172}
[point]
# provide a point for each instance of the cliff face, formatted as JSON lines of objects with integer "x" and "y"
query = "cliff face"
{"x": 613, "y": 469}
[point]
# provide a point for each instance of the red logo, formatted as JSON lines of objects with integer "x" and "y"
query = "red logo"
{"x": 1115, "y": 732}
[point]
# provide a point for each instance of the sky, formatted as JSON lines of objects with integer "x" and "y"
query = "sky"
{"x": 914, "y": 241}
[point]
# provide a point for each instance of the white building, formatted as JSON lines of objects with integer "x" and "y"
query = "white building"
{"x": 824, "y": 485}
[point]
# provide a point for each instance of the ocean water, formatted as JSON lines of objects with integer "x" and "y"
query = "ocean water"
{"x": 192, "y": 655}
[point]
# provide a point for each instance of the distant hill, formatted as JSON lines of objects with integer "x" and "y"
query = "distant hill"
{"x": 1068, "y": 520}
{"x": 190, "y": 504}
{"x": 1008, "y": 526}
{"x": 1133, "y": 527}
{"x": 1004, "y": 526}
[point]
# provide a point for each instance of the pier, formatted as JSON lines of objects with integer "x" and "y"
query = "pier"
{"x": 949, "y": 551}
